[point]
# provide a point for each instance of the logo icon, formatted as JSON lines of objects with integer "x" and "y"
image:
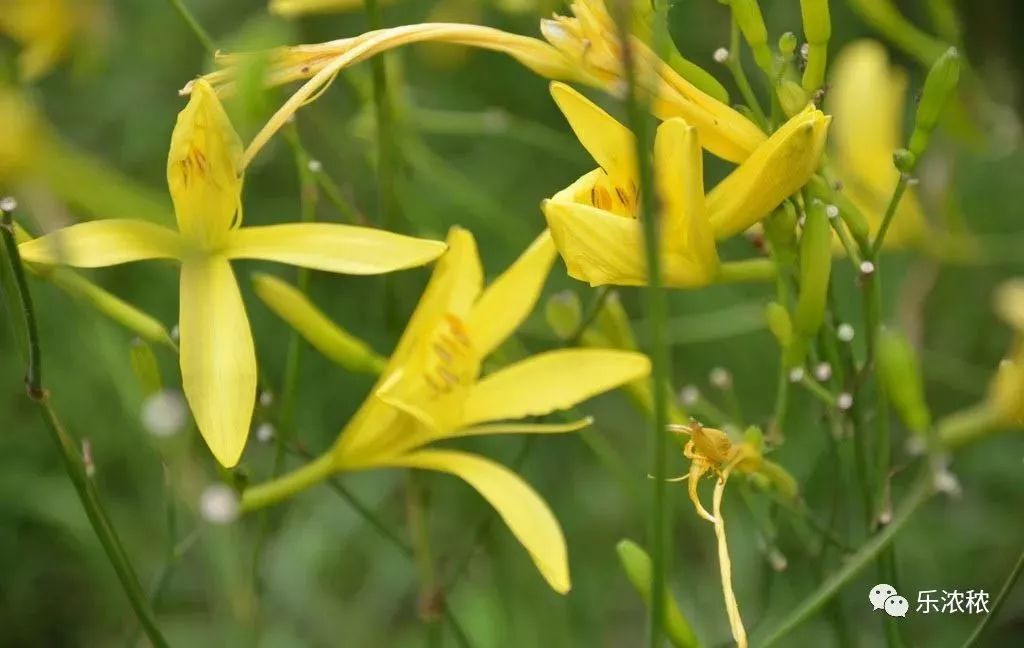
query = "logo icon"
{"x": 884, "y": 597}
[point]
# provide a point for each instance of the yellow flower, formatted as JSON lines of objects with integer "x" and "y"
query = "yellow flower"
{"x": 432, "y": 390}
{"x": 867, "y": 99}
{"x": 594, "y": 220}
{"x": 43, "y": 28}
{"x": 584, "y": 48}
{"x": 218, "y": 361}
{"x": 1006, "y": 392}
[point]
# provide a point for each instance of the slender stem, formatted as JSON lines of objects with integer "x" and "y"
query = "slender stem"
{"x": 822, "y": 394}
{"x": 201, "y": 35}
{"x": 656, "y": 307}
{"x": 70, "y": 456}
{"x": 997, "y": 605}
{"x": 890, "y": 212}
{"x": 431, "y": 597}
{"x": 918, "y": 495}
{"x": 735, "y": 65}
{"x": 271, "y": 492}
{"x": 384, "y": 112}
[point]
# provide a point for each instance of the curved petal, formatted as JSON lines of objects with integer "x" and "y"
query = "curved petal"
{"x": 335, "y": 248}
{"x": 550, "y": 381}
{"x": 597, "y": 247}
{"x": 504, "y": 304}
{"x": 101, "y": 243}
{"x": 611, "y": 144}
{"x": 218, "y": 361}
{"x": 523, "y": 428}
{"x": 679, "y": 169}
{"x": 525, "y": 513}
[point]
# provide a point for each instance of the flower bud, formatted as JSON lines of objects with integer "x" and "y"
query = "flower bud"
{"x": 787, "y": 44}
{"x": 779, "y": 323}
{"x": 563, "y": 313}
{"x": 938, "y": 89}
{"x": 904, "y": 160}
{"x": 815, "y": 268}
{"x": 817, "y": 29}
{"x": 326, "y": 337}
{"x": 791, "y": 96}
{"x": 900, "y": 375}
{"x": 747, "y": 14}
{"x": 637, "y": 565}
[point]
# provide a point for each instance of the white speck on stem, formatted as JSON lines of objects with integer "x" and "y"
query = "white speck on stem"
{"x": 844, "y": 401}
{"x": 867, "y": 268}
{"x": 823, "y": 371}
{"x": 265, "y": 433}
{"x": 218, "y": 504}
{"x": 689, "y": 395}
{"x": 721, "y": 55}
{"x": 845, "y": 333}
{"x": 164, "y": 413}
{"x": 315, "y": 166}
{"x": 720, "y": 378}
{"x": 8, "y": 204}
{"x": 832, "y": 212}
{"x": 796, "y": 374}
{"x": 266, "y": 398}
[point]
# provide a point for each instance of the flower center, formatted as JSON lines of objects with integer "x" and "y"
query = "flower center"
{"x": 451, "y": 361}
{"x": 611, "y": 197}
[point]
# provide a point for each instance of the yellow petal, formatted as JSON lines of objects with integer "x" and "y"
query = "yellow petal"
{"x": 679, "y": 169}
{"x": 204, "y": 171}
{"x": 773, "y": 172}
{"x": 1009, "y": 303}
{"x": 291, "y": 305}
{"x": 504, "y": 305}
{"x": 218, "y": 362}
{"x": 598, "y": 247}
{"x": 551, "y": 381}
{"x": 611, "y": 144}
{"x": 523, "y": 428}
{"x": 335, "y": 248}
{"x": 103, "y": 243}
{"x": 525, "y": 513}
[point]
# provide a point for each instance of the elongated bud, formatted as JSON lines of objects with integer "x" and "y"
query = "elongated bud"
{"x": 792, "y": 96}
{"x": 637, "y": 565}
{"x": 128, "y": 316}
{"x": 779, "y": 478}
{"x": 747, "y": 14}
{"x": 204, "y": 170}
{"x": 787, "y": 44}
{"x": 564, "y": 312}
{"x": 887, "y": 19}
{"x": 815, "y": 268}
{"x": 900, "y": 374}
{"x": 780, "y": 230}
{"x": 145, "y": 367}
{"x": 326, "y": 337}
{"x": 938, "y": 90}
{"x": 817, "y": 29}
{"x": 773, "y": 172}
{"x": 779, "y": 323}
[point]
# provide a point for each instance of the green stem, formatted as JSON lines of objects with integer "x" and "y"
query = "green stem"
{"x": 384, "y": 113}
{"x": 735, "y": 65}
{"x": 193, "y": 24}
{"x": 34, "y": 371}
{"x": 918, "y": 495}
{"x": 656, "y": 307}
{"x": 271, "y": 492}
{"x": 997, "y": 605}
{"x": 890, "y": 213}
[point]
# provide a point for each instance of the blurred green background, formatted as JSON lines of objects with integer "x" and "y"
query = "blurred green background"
{"x": 480, "y": 144}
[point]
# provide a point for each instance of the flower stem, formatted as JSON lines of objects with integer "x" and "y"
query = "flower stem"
{"x": 201, "y": 35}
{"x": 384, "y": 113}
{"x": 997, "y": 605}
{"x": 735, "y": 65}
{"x": 890, "y": 212}
{"x": 659, "y": 525}
{"x": 271, "y": 492}
{"x": 70, "y": 456}
{"x": 920, "y": 492}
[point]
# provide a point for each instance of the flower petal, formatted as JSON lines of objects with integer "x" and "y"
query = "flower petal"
{"x": 523, "y": 428}
{"x": 103, "y": 243}
{"x": 598, "y": 247}
{"x": 504, "y": 304}
{"x": 551, "y": 381}
{"x": 218, "y": 361}
{"x": 347, "y": 249}
{"x": 522, "y": 509}
{"x": 611, "y": 144}
{"x": 679, "y": 169}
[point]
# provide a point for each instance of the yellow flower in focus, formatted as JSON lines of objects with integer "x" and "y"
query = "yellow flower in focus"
{"x": 867, "y": 99}
{"x": 1006, "y": 392}
{"x": 594, "y": 221}
{"x": 584, "y": 47}
{"x": 218, "y": 361}
{"x": 432, "y": 390}
{"x": 43, "y": 28}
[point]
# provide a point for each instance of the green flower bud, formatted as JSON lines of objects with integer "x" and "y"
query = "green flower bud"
{"x": 747, "y": 14}
{"x": 788, "y": 44}
{"x": 904, "y": 160}
{"x": 145, "y": 367}
{"x": 938, "y": 89}
{"x": 779, "y": 323}
{"x": 900, "y": 375}
{"x": 637, "y": 565}
{"x": 564, "y": 312}
{"x": 815, "y": 268}
{"x": 817, "y": 29}
{"x": 780, "y": 230}
{"x": 792, "y": 97}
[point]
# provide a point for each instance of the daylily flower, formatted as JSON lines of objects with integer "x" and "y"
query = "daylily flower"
{"x": 594, "y": 220}
{"x": 584, "y": 48}
{"x": 867, "y": 99}
{"x": 432, "y": 390}
{"x": 218, "y": 361}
